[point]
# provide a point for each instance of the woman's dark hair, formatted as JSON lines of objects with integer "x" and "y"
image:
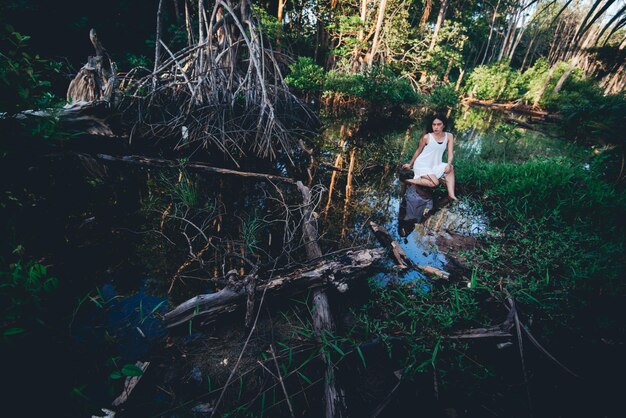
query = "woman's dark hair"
{"x": 431, "y": 119}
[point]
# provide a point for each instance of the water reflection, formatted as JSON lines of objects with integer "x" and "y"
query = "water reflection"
{"x": 414, "y": 207}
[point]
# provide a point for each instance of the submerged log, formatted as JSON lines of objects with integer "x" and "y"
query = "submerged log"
{"x": 322, "y": 273}
{"x": 400, "y": 257}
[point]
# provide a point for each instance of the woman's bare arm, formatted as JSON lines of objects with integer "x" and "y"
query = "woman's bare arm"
{"x": 418, "y": 151}
{"x": 450, "y": 153}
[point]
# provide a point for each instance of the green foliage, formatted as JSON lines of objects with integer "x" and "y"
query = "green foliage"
{"x": 586, "y": 113}
{"x": 561, "y": 221}
{"x": 305, "y": 75}
{"x": 23, "y": 288}
{"x": 22, "y": 74}
{"x": 495, "y": 82}
{"x": 421, "y": 315}
{"x": 442, "y": 98}
{"x": 135, "y": 60}
{"x": 377, "y": 85}
{"x": 271, "y": 26}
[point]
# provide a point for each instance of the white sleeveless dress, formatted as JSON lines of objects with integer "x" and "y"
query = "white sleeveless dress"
{"x": 430, "y": 160}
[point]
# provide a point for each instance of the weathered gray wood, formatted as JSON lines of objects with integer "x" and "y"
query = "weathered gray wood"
{"x": 96, "y": 80}
{"x": 319, "y": 274}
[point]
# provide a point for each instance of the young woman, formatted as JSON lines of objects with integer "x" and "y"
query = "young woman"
{"x": 427, "y": 163}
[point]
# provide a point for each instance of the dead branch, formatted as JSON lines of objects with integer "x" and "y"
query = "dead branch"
{"x": 320, "y": 274}
{"x": 158, "y": 162}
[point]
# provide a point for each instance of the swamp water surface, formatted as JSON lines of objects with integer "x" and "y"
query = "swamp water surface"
{"x": 101, "y": 227}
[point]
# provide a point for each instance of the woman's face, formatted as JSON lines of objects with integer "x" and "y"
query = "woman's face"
{"x": 437, "y": 126}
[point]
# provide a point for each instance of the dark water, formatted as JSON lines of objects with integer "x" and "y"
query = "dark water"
{"x": 99, "y": 228}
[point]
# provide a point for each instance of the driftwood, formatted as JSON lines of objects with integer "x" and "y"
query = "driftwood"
{"x": 157, "y": 162}
{"x": 322, "y": 273}
{"x": 400, "y": 257}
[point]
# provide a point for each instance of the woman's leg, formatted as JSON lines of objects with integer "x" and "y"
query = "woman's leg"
{"x": 429, "y": 181}
{"x": 450, "y": 184}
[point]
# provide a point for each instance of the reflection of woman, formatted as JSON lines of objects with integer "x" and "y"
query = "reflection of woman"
{"x": 427, "y": 163}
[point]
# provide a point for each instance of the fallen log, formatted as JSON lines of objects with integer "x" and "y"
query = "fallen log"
{"x": 512, "y": 107}
{"x": 322, "y": 273}
{"x": 158, "y": 162}
{"x": 400, "y": 257}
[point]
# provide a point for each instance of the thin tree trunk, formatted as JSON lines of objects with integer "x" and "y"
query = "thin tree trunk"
{"x": 338, "y": 163}
{"x": 518, "y": 38}
{"x": 356, "y": 57}
{"x": 440, "y": 18}
{"x": 190, "y": 37}
{"x": 491, "y": 28}
{"x": 379, "y": 24}
{"x": 281, "y": 8}
{"x": 179, "y": 17}
{"x": 589, "y": 40}
{"x": 544, "y": 86}
{"x": 322, "y": 320}
{"x": 528, "y": 49}
{"x": 433, "y": 41}
{"x": 427, "y": 8}
{"x": 346, "y": 203}
{"x": 458, "y": 82}
{"x": 510, "y": 32}
{"x": 157, "y": 49}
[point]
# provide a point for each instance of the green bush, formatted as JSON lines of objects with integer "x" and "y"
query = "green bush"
{"x": 23, "y": 288}
{"x": 495, "y": 82}
{"x": 443, "y": 97}
{"x": 22, "y": 74}
{"x": 305, "y": 75}
{"x": 377, "y": 85}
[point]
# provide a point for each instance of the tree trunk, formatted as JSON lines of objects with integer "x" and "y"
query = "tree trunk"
{"x": 346, "y": 202}
{"x": 491, "y": 29}
{"x": 528, "y": 49}
{"x": 518, "y": 38}
{"x": 379, "y": 24}
{"x": 281, "y": 8}
{"x": 440, "y": 18}
{"x": 427, "y": 8}
{"x": 157, "y": 48}
{"x": 589, "y": 40}
{"x": 544, "y": 86}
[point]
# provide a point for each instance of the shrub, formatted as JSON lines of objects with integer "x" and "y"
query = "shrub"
{"x": 495, "y": 82}
{"x": 305, "y": 75}
{"x": 377, "y": 85}
{"x": 443, "y": 97}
